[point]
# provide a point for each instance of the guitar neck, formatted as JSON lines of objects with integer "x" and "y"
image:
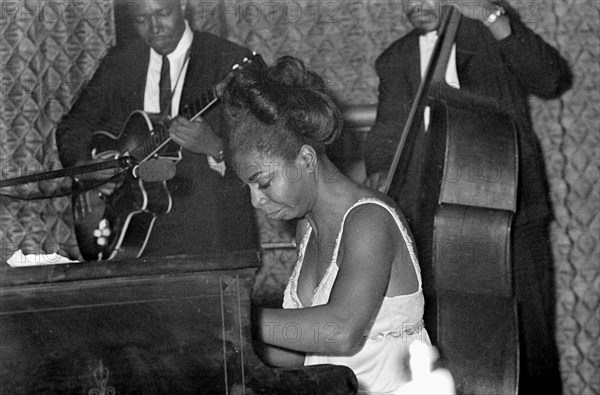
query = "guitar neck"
{"x": 193, "y": 110}
{"x": 160, "y": 132}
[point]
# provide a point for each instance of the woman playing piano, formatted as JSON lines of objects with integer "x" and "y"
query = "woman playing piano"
{"x": 354, "y": 297}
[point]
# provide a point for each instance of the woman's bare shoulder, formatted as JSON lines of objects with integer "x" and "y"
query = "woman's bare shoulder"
{"x": 369, "y": 193}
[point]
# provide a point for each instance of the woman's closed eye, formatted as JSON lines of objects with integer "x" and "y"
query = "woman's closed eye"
{"x": 264, "y": 185}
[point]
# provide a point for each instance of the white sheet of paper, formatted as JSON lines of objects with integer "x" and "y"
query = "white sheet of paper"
{"x": 18, "y": 259}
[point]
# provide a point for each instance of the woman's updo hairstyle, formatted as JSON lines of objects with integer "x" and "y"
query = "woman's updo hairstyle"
{"x": 276, "y": 110}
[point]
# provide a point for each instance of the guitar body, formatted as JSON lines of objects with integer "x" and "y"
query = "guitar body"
{"x": 118, "y": 225}
{"x": 142, "y": 136}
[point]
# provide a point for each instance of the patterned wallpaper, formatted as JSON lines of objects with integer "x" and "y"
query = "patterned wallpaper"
{"x": 49, "y": 49}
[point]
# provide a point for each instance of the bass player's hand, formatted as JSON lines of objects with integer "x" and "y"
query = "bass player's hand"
{"x": 196, "y": 136}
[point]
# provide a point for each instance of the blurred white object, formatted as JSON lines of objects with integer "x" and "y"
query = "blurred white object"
{"x": 425, "y": 381}
{"x": 18, "y": 259}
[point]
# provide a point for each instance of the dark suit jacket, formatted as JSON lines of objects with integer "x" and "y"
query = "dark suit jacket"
{"x": 508, "y": 71}
{"x": 210, "y": 212}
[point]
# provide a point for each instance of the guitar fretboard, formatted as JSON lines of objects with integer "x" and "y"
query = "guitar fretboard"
{"x": 160, "y": 133}
{"x": 200, "y": 105}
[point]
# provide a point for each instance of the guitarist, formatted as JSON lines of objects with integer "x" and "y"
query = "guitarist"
{"x": 210, "y": 212}
{"x": 495, "y": 55}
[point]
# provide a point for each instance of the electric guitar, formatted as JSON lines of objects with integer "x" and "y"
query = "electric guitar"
{"x": 118, "y": 225}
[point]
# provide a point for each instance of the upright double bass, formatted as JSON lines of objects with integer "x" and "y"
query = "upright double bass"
{"x": 459, "y": 183}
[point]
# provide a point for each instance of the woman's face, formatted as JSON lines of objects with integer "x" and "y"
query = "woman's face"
{"x": 281, "y": 189}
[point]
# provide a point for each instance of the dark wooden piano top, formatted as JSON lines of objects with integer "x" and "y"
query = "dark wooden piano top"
{"x": 168, "y": 325}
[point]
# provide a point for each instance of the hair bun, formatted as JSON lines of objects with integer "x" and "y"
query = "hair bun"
{"x": 288, "y": 97}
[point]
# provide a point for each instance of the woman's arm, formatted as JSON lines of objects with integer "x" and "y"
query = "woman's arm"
{"x": 368, "y": 248}
{"x": 277, "y": 356}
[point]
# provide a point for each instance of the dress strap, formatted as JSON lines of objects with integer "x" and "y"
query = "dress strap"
{"x": 401, "y": 227}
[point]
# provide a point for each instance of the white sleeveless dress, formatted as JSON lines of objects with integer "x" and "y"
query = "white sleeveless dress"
{"x": 381, "y": 364}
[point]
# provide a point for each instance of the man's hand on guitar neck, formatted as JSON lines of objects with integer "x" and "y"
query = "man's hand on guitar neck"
{"x": 196, "y": 136}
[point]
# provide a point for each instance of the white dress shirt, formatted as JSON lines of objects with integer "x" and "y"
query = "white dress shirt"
{"x": 178, "y": 60}
{"x": 426, "y": 45}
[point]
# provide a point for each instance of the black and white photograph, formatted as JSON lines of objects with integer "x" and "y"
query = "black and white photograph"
{"x": 300, "y": 197}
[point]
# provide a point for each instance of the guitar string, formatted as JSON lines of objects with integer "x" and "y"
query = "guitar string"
{"x": 161, "y": 133}
{"x": 150, "y": 147}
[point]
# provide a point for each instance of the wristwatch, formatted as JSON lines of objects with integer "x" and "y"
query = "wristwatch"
{"x": 493, "y": 17}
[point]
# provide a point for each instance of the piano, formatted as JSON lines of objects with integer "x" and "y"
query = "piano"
{"x": 168, "y": 325}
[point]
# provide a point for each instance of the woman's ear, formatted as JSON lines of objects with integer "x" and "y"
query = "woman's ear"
{"x": 308, "y": 157}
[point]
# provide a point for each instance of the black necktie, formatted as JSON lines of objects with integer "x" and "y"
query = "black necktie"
{"x": 165, "y": 87}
